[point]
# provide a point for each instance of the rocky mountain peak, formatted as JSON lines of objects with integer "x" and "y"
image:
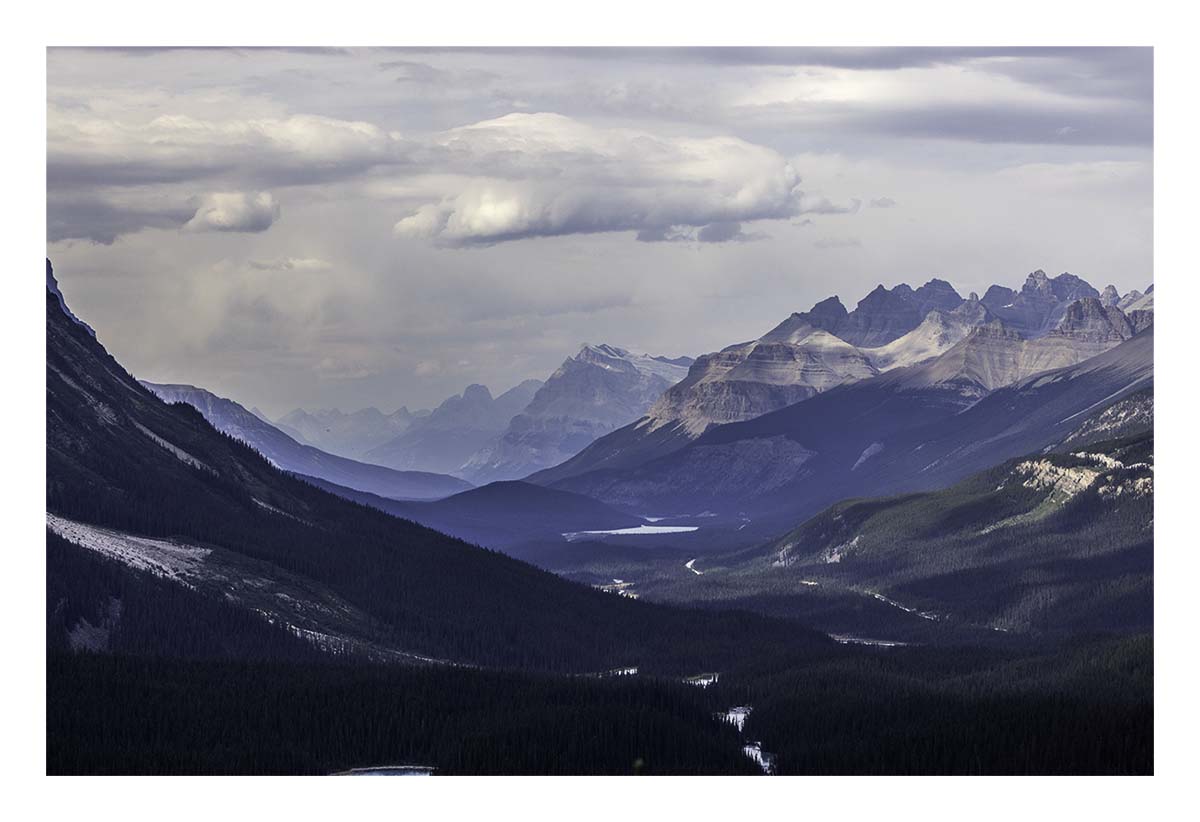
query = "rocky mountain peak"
{"x": 828, "y": 307}
{"x": 476, "y": 393}
{"x": 1037, "y": 283}
{"x": 602, "y": 350}
{"x": 1089, "y": 319}
{"x": 879, "y": 294}
{"x": 1110, "y": 295}
{"x": 938, "y": 294}
{"x": 1067, "y": 286}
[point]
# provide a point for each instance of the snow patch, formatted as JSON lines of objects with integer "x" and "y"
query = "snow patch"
{"x": 868, "y": 452}
{"x": 763, "y": 759}
{"x": 162, "y": 558}
{"x": 737, "y": 716}
{"x": 176, "y": 451}
{"x": 838, "y": 552}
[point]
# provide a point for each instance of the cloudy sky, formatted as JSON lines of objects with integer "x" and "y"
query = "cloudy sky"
{"x": 327, "y": 228}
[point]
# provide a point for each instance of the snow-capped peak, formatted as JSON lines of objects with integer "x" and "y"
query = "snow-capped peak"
{"x": 611, "y": 357}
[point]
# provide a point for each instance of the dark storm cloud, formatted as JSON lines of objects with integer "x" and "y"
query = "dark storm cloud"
{"x": 98, "y": 220}
{"x": 988, "y": 123}
{"x": 726, "y": 233}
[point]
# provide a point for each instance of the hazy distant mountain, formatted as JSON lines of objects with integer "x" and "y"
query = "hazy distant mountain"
{"x": 446, "y": 439}
{"x": 231, "y": 418}
{"x": 347, "y": 434}
{"x": 597, "y": 391}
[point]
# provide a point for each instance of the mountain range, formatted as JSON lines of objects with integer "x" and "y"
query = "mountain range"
{"x": 804, "y": 356}
{"x": 907, "y": 429}
{"x": 286, "y": 453}
{"x": 598, "y": 390}
{"x": 446, "y": 439}
{"x": 345, "y": 434}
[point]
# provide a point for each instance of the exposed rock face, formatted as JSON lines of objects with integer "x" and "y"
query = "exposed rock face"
{"x": 1039, "y": 305}
{"x": 994, "y": 355}
{"x": 1132, "y": 415}
{"x": 788, "y": 364}
{"x": 1137, "y": 301}
{"x": 1110, "y": 296}
{"x": 829, "y": 315}
{"x": 1141, "y": 319}
{"x": 937, "y": 334}
{"x": 456, "y": 429}
{"x": 348, "y": 434}
{"x": 881, "y": 317}
{"x": 597, "y": 391}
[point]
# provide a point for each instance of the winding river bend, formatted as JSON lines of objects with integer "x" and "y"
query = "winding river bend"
{"x": 736, "y": 716}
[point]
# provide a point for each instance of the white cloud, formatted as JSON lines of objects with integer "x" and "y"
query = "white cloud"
{"x": 528, "y": 175}
{"x": 235, "y": 211}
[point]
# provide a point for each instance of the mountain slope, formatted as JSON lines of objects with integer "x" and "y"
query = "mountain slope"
{"x": 909, "y": 429}
{"x": 157, "y": 488}
{"x": 504, "y": 514}
{"x": 443, "y": 441}
{"x": 1056, "y": 542}
{"x": 598, "y": 390}
{"x": 231, "y": 418}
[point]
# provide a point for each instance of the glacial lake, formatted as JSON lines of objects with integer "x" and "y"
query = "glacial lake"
{"x": 640, "y": 530}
